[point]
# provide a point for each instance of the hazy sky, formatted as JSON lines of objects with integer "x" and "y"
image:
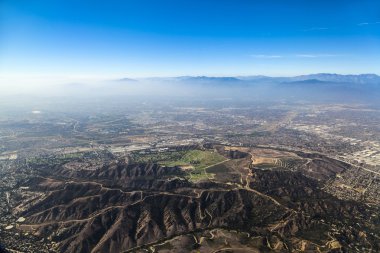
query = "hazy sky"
{"x": 59, "y": 40}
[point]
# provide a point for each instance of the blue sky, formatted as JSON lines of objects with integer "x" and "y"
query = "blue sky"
{"x": 107, "y": 39}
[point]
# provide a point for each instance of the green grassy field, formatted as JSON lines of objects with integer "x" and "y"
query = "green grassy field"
{"x": 198, "y": 159}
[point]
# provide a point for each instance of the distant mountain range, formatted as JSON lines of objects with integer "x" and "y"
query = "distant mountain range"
{"x": 360, "y": 79}
{"x": 322, "y": 87}
{"x": 127, "y": 80}
{"x": 306, "y": 79}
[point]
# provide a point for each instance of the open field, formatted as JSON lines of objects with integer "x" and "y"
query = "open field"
{"x": 194, "y": 161}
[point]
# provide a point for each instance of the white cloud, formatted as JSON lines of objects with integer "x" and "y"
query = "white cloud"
{"x": 368, "y": 23}
{"x": 306, "y": 55}
{"x": 315, "y": 55}
{"x": 315, "y": 29}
